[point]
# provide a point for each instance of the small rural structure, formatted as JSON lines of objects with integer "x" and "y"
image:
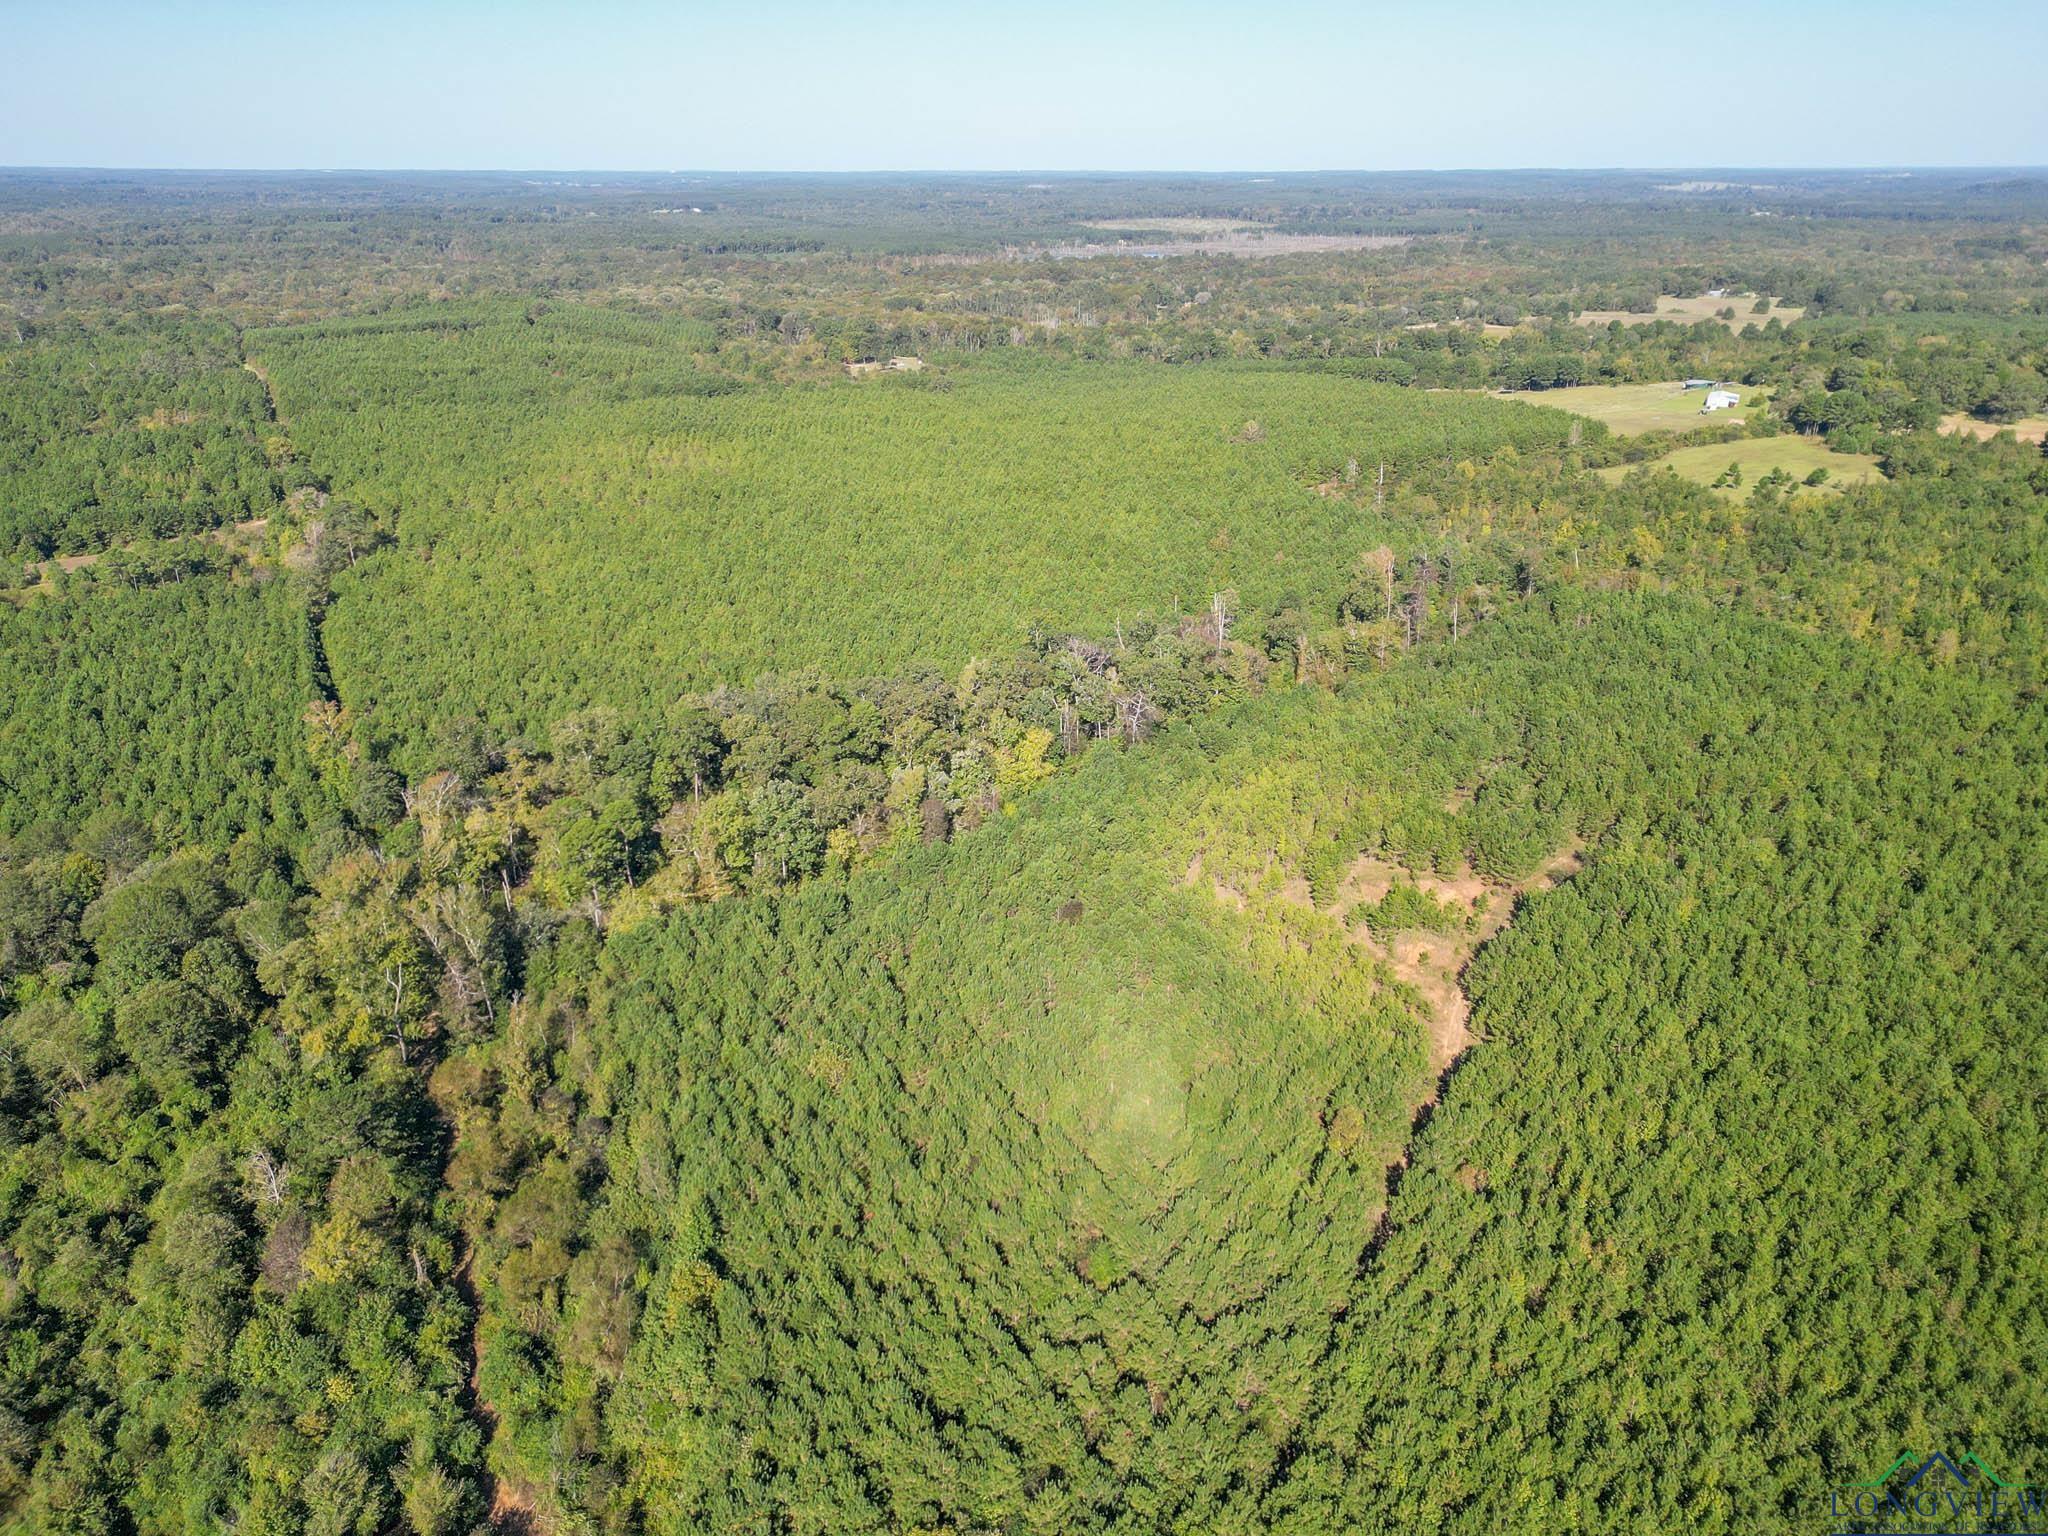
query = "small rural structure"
{"x": 1697, "y": 384}
{"x": 866, "y": 366}
{"x": 1720, "y": 400}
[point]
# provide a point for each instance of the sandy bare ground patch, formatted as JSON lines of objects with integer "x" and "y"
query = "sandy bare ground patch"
{"x": 1368, "y": 879}
{"x": 1432, "y": 965}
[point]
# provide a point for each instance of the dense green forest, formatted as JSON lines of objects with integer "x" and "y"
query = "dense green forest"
{"x": 574, "y": 486}
{"x": 1169, "y": 921}
{"x": 135, "y": 430}
{"x": 178, "y": 702}
{"x": 1110, "y": 1121}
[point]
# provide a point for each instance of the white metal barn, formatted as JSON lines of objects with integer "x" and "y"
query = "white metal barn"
{"x": 1720, "y": 400}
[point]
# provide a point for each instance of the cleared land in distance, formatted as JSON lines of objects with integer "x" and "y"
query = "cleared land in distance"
{"x": 1243, "y": 243}
{"x": 1633, "y": 408}
{"x": 1758, "y": 456}
{"x": 2028, "y": 429}
{"x": 1700, "y": 307}
{"x": 1170, "y": 224}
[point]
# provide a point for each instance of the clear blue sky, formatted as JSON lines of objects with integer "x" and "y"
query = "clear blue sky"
{"x": 1198, "y": 85}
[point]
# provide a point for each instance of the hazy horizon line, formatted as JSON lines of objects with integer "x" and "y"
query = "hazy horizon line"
{"x": 1886, "y": 167}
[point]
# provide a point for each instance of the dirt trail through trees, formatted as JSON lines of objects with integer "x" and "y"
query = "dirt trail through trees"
{"x": 511, "y": 1510}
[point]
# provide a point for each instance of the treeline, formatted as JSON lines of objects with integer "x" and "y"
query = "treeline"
{"x": 1861, "y": 382}
{"x": 1944, "y": 560}
{"x": 231, "y": 1292}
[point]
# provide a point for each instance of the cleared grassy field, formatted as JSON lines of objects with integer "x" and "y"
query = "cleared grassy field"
{"x": 1691, "y": 311}
{"x": 1632, "y": 408}
{"x": 1758, "y": 456}
{"x": 2028, "y": 429}
{"x": 1170, "y": 225}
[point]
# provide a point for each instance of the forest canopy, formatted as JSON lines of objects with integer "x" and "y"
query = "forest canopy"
{"x": 580, "y": 520}
{"x": 944, "y": 855}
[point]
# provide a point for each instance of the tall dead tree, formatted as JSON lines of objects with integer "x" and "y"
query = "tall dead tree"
{"x": 1134, "y": 709}
{"x": 1418, "y": 600}
{"x": 1379, "y": 563}
{"x": 1451, "y": 586}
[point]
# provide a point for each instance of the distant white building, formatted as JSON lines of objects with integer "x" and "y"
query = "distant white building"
{"x": 1720, "y": 400}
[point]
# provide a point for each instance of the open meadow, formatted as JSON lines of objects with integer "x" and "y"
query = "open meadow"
{"x": 1698, "y": 307}
{"x": 1757, "y": 457}
{"x": 2028, "y": 429}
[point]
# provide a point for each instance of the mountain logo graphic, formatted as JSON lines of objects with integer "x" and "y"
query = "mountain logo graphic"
{"x": 1938, "y": 1459}
{"x": 1937, "y": 1492}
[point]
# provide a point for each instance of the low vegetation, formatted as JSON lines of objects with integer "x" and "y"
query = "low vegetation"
{"x": 1733, "y": 310}
{"x": 2027, "y": 429}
